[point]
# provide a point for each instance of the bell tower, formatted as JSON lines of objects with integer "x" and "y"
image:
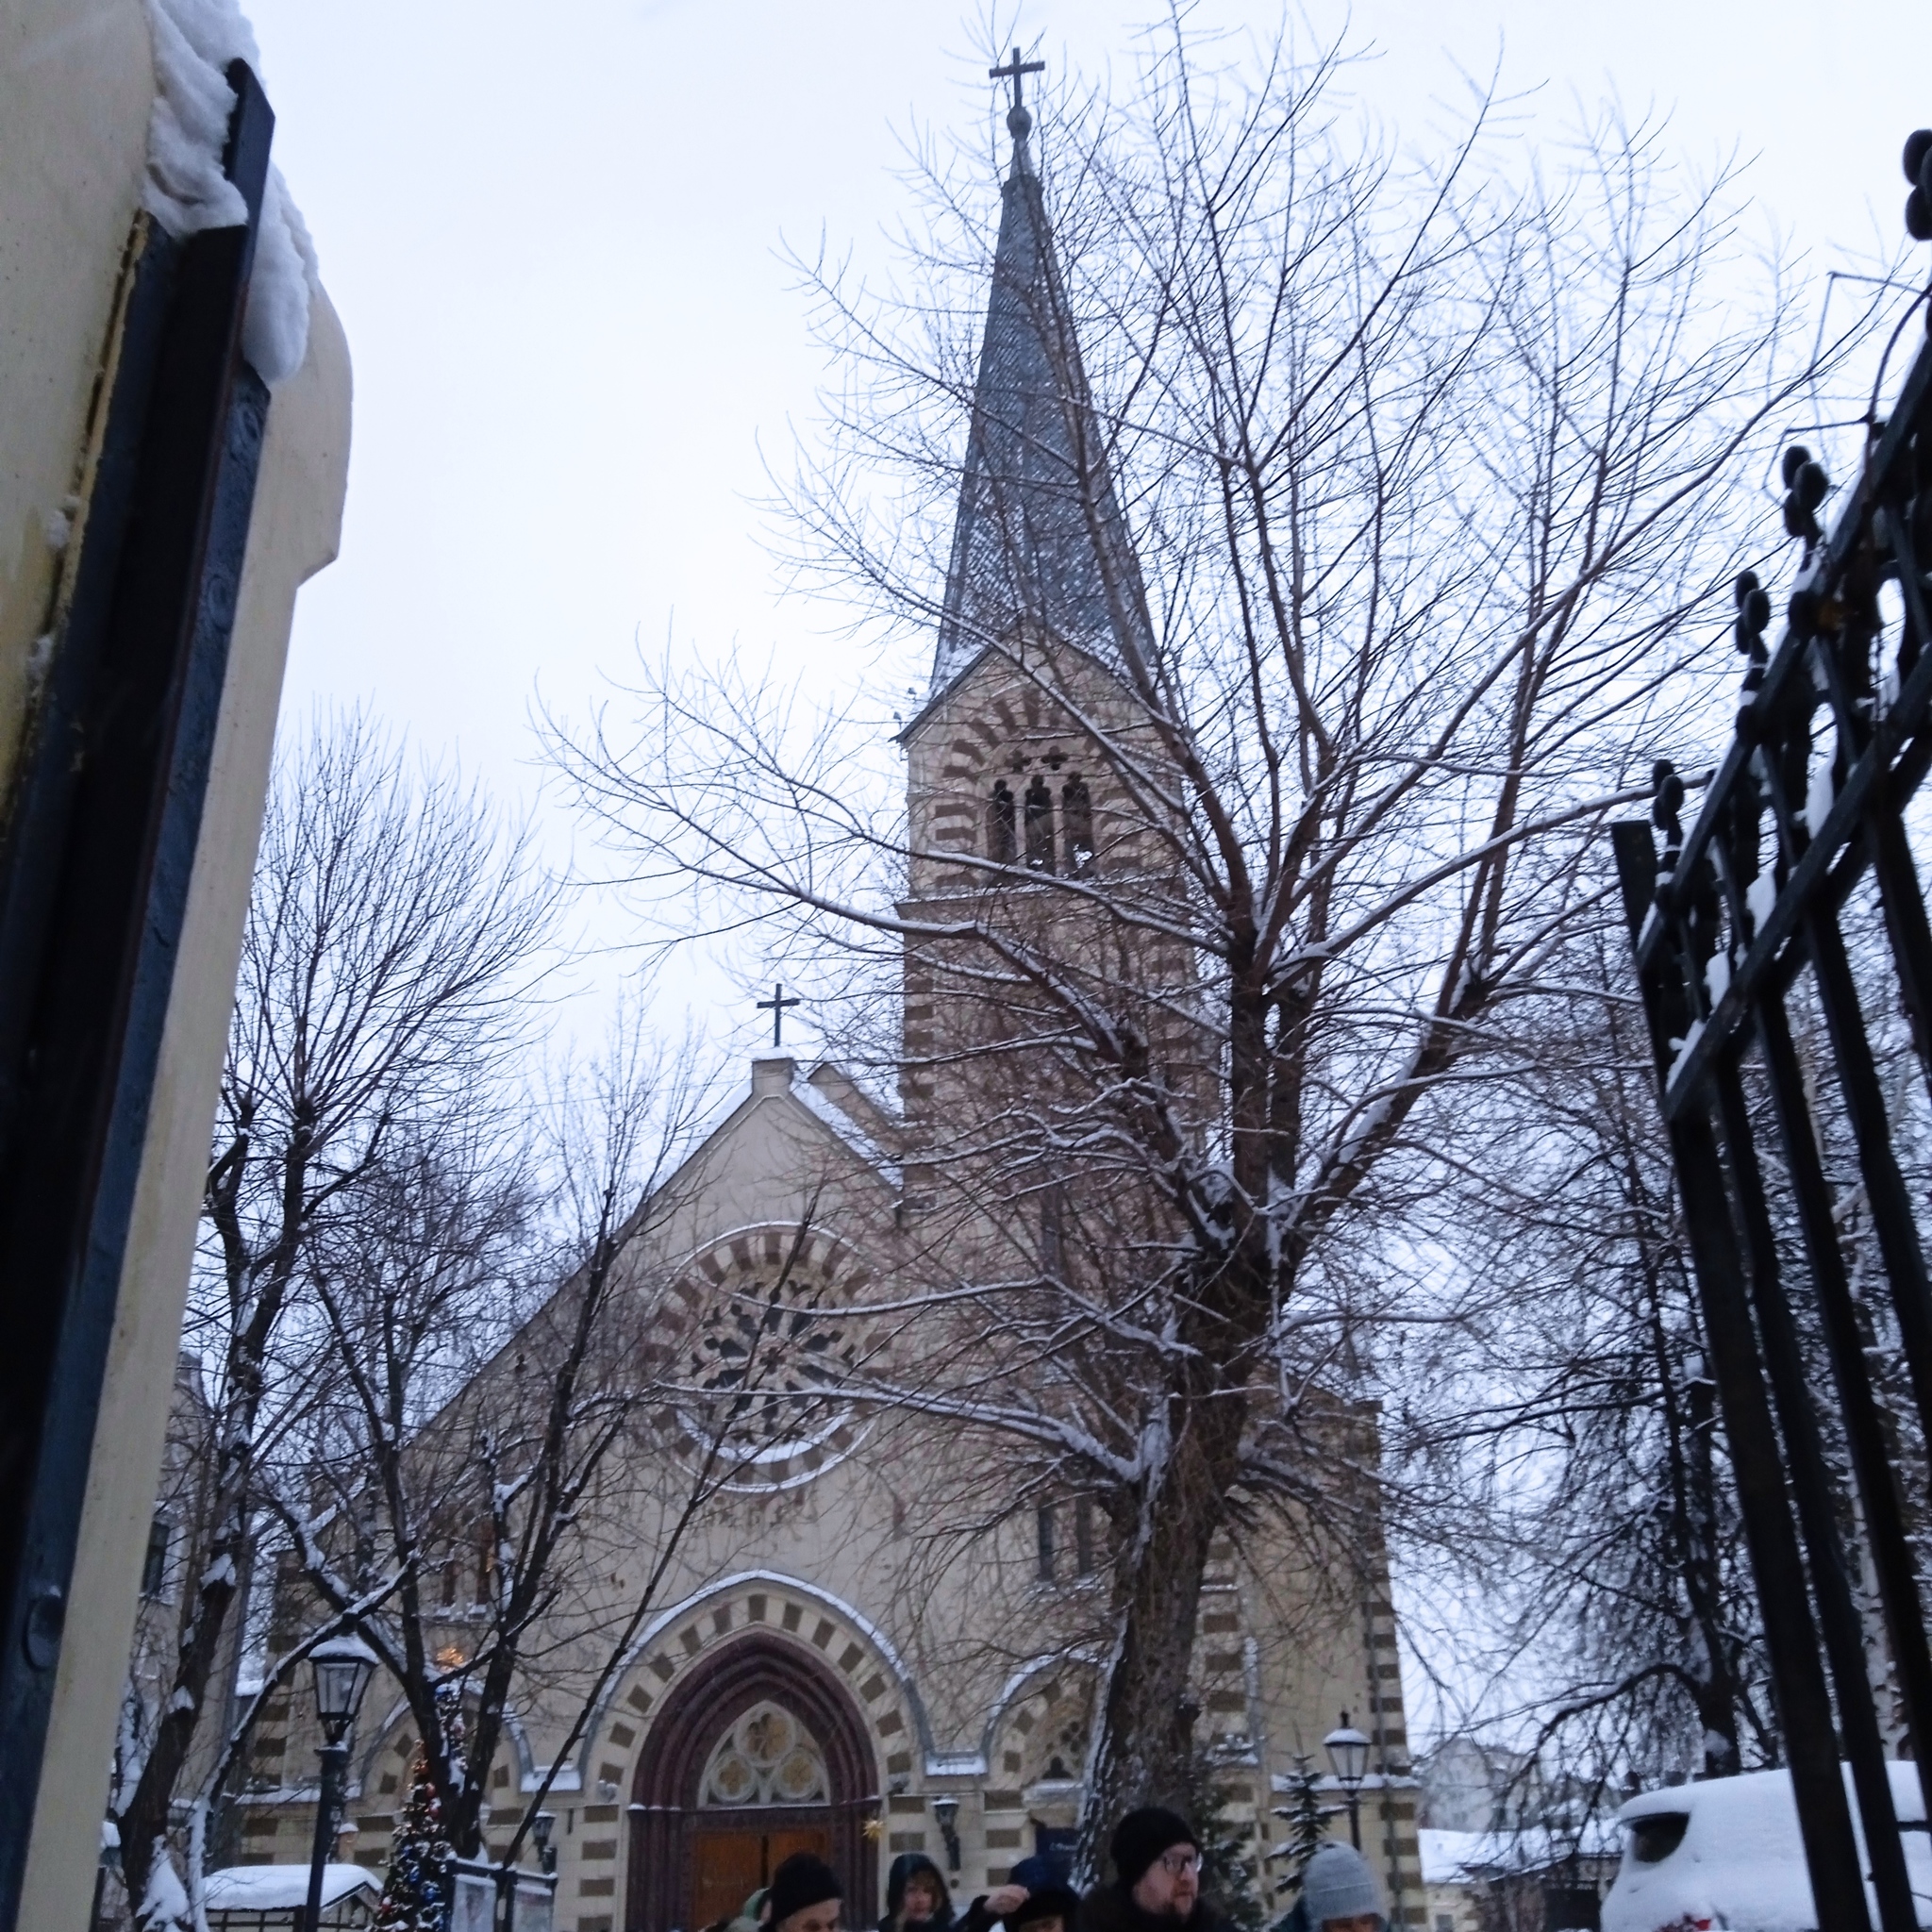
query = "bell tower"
{"x": 1009, "y": 797}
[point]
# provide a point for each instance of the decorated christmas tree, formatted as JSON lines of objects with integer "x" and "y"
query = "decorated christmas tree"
{"x": 416, "y": 1894}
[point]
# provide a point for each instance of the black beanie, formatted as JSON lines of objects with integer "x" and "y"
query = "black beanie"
{"x": 800, "y": 1881}
{"x": 1044, "y": 1902}
{"x": 1140, "y": 1838}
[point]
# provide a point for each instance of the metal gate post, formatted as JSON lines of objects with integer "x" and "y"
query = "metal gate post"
{"x": 1804, "y": 1703}
{"x": 1879, "y": 1490}
{"x": 1715, "y": 967}
{"x": 1885, "y": 1185}
{"x": 1837, "y": 1614}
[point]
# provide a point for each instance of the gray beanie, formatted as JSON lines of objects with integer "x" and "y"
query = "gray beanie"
{"x": 1338, "y": 1884}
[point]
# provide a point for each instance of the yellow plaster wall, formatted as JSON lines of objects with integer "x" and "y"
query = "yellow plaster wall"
{"x": 76, "y": 82}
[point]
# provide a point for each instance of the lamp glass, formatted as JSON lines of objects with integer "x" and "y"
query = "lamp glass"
{"x": 342, "y": 1669}
{"x": 541, "y": 1826}
{"x": 945, "y": 1810}
{"x": 1348, "y": 1752}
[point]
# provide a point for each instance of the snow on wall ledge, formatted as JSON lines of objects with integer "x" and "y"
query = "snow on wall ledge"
{"x": 186, "y": 190}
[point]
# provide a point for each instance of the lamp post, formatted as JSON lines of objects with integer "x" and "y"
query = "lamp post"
{"x": 947, "y": 1811}
{"x": 1348, "y": 1757}
{"x": 343, "y": 1668}
{"x": 541, "y": 1825}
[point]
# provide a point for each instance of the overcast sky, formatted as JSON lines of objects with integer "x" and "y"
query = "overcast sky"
{"x": 553, "y": 233}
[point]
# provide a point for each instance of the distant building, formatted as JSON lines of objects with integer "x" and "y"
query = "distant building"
{"x": 1518, "y": 1881}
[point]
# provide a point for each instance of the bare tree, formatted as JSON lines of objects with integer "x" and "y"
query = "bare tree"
{"x": 393, "y": 939}
{"x": 1564, "y": 1462}
{"x": 1309, "y": 539}
{"x": 1563, "y": 1458}
{"x": 498, "y": 1438}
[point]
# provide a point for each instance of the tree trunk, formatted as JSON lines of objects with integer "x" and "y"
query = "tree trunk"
{"x": 212, "y": 1591}
{"x": 1143, "y": 1729}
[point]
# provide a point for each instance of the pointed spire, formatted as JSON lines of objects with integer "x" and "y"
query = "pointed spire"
{"x": 1035, "y": 483}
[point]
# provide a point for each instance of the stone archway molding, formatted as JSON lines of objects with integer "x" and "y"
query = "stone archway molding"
{"x": 652, "y": 1668}
{"x": 1008, "y": 1723}
{"x": 1015, "y": 1689}
{"x": 667, "y": 1816}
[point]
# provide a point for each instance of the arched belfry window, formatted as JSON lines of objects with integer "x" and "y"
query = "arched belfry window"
{"x": 1002, "y": 845}
{"x": 1077, "y": 825}
{"x": 766, "y": 1757}
{"x": 1038, "y": 826}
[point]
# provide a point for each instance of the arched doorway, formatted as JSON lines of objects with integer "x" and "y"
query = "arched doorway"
{"x": 759, "y": 1755}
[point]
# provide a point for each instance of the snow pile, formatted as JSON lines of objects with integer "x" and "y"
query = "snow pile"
{"x": 1741, "y": 1860}
{"x": 186, "y": 190}
{"x": 166, "y": 1900}
{"x": 279, "y": 1888}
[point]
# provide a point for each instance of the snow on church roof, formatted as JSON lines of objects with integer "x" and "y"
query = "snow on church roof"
{"x": 1022, "y": 550}
{"x": 847, "y": 1129}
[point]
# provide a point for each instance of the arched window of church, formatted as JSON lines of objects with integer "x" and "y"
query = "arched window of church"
{"x": 766, "y": 1757}
{"x": 1001, "y": 844}
{"x": 1038, "y": 826}
{"x": 1077, "y": 825}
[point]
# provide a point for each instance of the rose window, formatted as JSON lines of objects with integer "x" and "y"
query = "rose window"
{"x": 756, "y": 1347}
{"x": 767, "y": 1757}
{"x": 766, "y": 1355}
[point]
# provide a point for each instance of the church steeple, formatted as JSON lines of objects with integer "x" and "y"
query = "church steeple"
{"x": 1036, "y": 503}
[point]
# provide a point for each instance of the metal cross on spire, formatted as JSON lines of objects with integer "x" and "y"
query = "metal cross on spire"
{"x": 775, "y": 1006}
{"x": 1016, "y": 70}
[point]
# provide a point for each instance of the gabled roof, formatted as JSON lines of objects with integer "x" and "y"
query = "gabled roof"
{"x": 834, "y": 1105}
{"x": 1035, "y": 482}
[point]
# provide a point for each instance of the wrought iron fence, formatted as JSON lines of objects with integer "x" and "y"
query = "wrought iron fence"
{"x": 1732, "y": 923}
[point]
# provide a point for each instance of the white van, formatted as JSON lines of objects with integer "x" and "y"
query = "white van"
{"x": 1725, "y": 1855}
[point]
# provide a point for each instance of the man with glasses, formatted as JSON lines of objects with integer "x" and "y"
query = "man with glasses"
{"x": 1157, "y": 1888}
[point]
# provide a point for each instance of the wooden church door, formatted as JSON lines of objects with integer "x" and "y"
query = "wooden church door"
{"x": 760, "y": 1756}
{"x": 729, "y": 1865}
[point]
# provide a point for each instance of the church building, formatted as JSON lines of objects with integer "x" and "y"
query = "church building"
{"x": 873, "y": 1642}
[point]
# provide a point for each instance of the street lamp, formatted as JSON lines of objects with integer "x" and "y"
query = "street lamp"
{"x": 1348, "y": 1757}
{"x": 947, "y": 1811}
{"x": 342, "y": 1667}
{"x": 541, "y": 1828}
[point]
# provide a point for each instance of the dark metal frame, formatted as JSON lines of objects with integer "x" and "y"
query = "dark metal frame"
{"x": 1716, "y": 962}
{"x": 98, "y": 852}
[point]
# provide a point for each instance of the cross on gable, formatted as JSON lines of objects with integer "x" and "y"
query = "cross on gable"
{"x": 1016, "y": 70}
{"x": 775, "y": 1006}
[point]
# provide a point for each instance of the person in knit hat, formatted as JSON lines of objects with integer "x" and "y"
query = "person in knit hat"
{"x": 997, "y": 1907}
{"x": 1157, "y": 1881}
{"x": 1338, "y": 1895}
{"x": 805, "y": 1895}
{"x": 1049, "y": 1907}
